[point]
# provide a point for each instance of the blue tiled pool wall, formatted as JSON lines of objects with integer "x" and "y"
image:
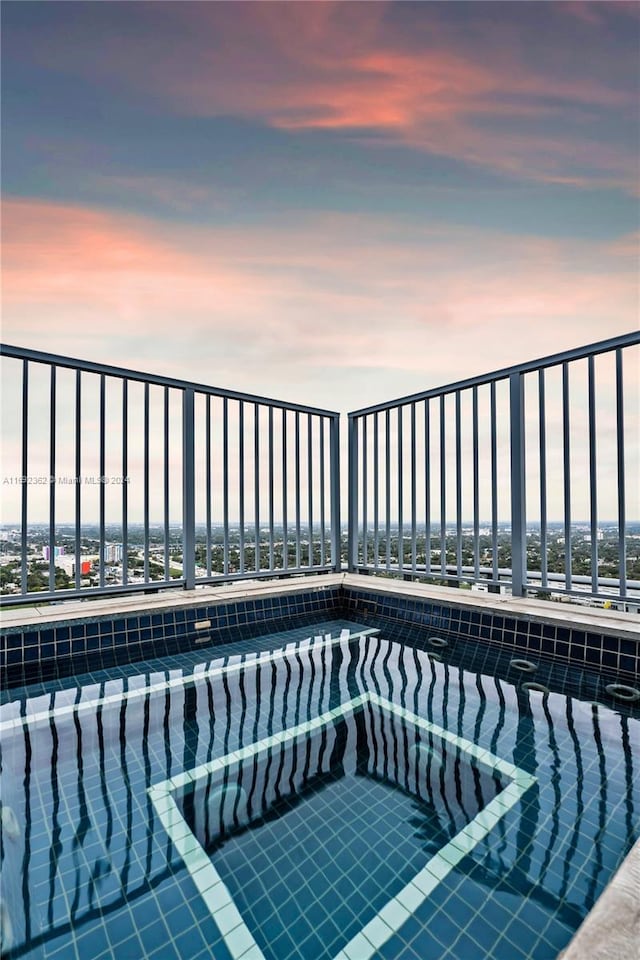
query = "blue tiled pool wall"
{"x": 29, "y": 655}
{"x": 52, "y": 652}
{"x": 616, "y": 657}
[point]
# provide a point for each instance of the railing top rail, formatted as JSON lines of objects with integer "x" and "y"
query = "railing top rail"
{"x": 580, "y": 353}
{"x": 87, "y": 366}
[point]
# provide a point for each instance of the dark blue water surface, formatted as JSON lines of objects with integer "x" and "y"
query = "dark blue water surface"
{"x": 340, "y": 822}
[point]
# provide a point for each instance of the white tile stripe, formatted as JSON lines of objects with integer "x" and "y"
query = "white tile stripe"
{"x": 364, "y": 945}
{"x": 250, "y": 660}
{"x": 237, "y": 936}
{"x": 199, "y": 773}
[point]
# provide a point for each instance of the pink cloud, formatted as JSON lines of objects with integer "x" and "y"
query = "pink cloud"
{"x": 626, "y": 247}
{"x": 342, "y": 67}
{"x": 54, "y": 254}
{"x": 250, "y": 307}
{"x": 337, "y": 75}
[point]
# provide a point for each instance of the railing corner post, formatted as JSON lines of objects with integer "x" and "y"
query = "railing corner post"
{"x": 188, "y": 491}
{"x": 334, "y": 472}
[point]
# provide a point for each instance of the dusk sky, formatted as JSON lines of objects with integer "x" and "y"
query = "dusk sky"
{"x": 335, "y": 203}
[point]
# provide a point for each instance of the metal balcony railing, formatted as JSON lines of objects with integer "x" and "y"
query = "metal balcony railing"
{"x": 543, "y": 510}
{"x": 522, "y": 480}
{"x": 124, "y": 481}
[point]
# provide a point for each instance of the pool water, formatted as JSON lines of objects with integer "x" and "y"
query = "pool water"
{"x": 355, "y": 807}
{"x": 311, "y": 795}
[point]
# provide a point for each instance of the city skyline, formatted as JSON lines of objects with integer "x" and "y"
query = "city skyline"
{"x": 156, "y": 553}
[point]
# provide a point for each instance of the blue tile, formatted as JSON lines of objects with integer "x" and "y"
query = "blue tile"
{"x": 93, "y": 942}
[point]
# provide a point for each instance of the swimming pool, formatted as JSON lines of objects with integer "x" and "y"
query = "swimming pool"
{"x": 341, "y": 791}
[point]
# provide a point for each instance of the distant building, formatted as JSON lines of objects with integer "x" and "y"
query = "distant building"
{"x": 57, "y": 552}
{"x": 68, "y": 564}
{"x": 112, "y": 553}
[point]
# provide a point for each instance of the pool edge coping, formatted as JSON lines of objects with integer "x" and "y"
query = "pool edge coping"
{"x": 609, "y": 622}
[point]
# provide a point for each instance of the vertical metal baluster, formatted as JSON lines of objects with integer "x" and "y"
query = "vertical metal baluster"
{"x": 256, "y": 478}
{"x": 376, "y": 492}
{"x": 387, "y": 474}
{"x": 476, "y": 490}
{"x": 310, "y": 482}
{"x": 166, "y": 484}
{"x": 24, "y": 570}
{"x": 414, "y": 504}
{"x": 146, "y": 486}
{"x": 593, "y": 477}
{"x": 102, "y": 491}
{"x": 458, "y": 487}
{"x": 188, "y": 490}
{"x": 271, "y": 556}
{"x": 353, "y": 495}
{"x": 542, "y": 417}
{"x": 125, "y": 483}
{"x": 566, "y": 450}
{"x": 208, "y": 480}
{"x": 52, "y": 483}
{"x": 365, "y": 492}
{"x": 400, "y": 492}
{"x": 494, "y": 484}
{"x": 622, "y": 514}
{"x": 323, "y": 551}
{"x": 241, "y": 479}
{"x": 443, "y": 491}
{"x": 334, "y": 474}
{"x": 78, "y": 466}
{"x": 285, "y": 519}
{"x": 518, "y": 492}
{"x": 427, "y": 486}
{"x": 225, "y": 483}
{"x": 297, "y": 452}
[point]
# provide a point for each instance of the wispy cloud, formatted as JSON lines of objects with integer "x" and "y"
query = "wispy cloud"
{"x": 443, "y": 98}
{"x": 251, "y": 307}
{"x": 495, "y": 93}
